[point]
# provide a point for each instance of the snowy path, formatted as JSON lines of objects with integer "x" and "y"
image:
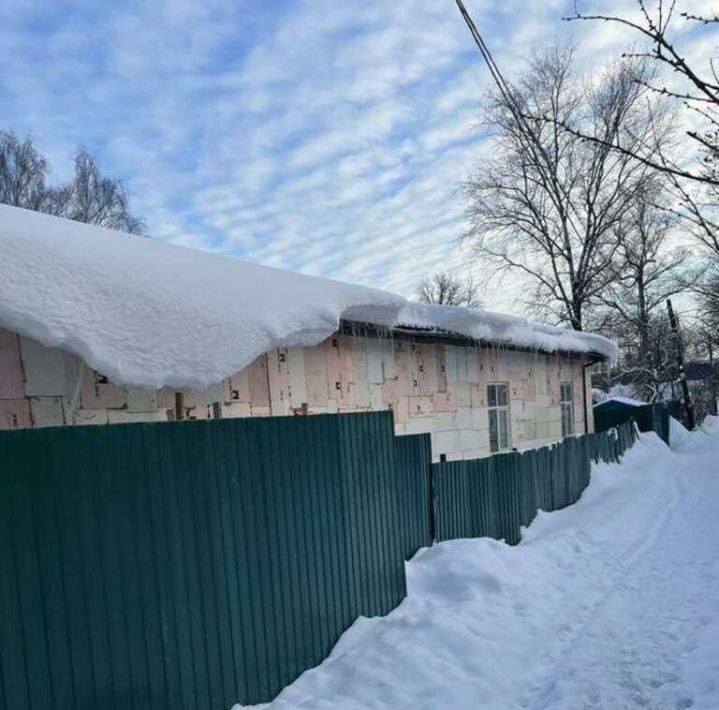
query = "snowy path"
{"x": 612, "y": 603}
{"x": 645, "y": 642}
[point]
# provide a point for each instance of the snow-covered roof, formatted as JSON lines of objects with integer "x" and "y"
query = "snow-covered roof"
{"x": 502, "y": 329}
{"x": 149, "y": 314}
{"x": 622, "y": 400}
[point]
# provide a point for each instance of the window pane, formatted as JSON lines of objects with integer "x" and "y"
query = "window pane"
{"x": 502, "y": 395}
{"x": 493, "y": 434}
{"x": 567, "y": 419}
{"x": 491, "y": 396}
{"x": 503, "y": 428}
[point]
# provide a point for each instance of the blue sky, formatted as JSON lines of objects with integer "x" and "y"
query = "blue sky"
{"x": 326, "y": 137}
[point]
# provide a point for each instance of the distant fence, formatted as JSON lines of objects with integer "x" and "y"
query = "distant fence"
{"x": 194, "y": 565}
{"x": 649, "y": 417}
{"x": 497, "y": 496}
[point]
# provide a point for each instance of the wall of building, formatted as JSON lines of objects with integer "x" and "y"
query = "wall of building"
{"x": 431, "y": 387}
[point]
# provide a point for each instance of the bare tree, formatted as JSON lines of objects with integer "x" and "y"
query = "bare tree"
{"x": 691, "y": 83}
{"x": 550, "y": 204}
{"x": 444, "y": 289}
{"x": 22, "y": 173}
{"x": 697, "y": 206}
{"x": 649, "y": 368}
{"x": 693, "y": 88}
{"x": 708, "y": 313}
{"x": 89, "y": 197}
{"x": 648, "y": 272}
{"x": 95, "y": 199}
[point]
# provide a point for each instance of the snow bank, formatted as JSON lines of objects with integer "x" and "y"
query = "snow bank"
{"x": 679, "y": 435}
{"x": 150, "y": 314}
{"x": 588, "y": 611}
{"x": 710, "y": 425}
{"x": 701, "y": 439}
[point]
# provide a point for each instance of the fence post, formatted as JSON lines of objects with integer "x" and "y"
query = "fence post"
{"x": 432, "y": 502}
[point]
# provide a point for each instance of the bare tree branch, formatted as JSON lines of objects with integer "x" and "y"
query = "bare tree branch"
{"x": 550, "y": 203}
{"x": 700, "y": 93}
{"x": 444, "y": 289}
{"x": 89, "y": 197}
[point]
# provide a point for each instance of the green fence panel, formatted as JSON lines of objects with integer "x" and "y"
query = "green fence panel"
{"x": 542, "y": 477}
{"x": 625, "y": 436}
{"x": 465, "y": 499}
{"x": 508, "y": 492}
{"x": 570, "y": 469}
{"x": 578, "y": 466}
{"x": 456, "y": 511}
{"x": 650, "y": 417}
{"x": 496, "y": 496}
{"x": 414, "y": 459}
{"x": 528, "y": 464}
{"x": 191, "y": 564}
{"x": 376, "y": 542}
{"x": 484, "y": 499}
{"x": 559, "y": 479}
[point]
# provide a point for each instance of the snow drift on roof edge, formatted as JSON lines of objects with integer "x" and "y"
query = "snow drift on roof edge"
{"x": 503, "y": 329}
{"x": 149, "y": 314}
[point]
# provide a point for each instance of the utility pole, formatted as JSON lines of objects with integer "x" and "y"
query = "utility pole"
{"x": 686, "y": 399}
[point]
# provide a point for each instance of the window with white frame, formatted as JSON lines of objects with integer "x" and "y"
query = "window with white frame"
{"x": 499, "y": 422}
{"x": 566, "y": 404}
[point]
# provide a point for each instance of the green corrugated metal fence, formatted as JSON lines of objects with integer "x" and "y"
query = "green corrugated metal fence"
{"x": 198, "y": 564}
{"x": 190, "y": 565}
{"x": 414, "y": 461}
{"x": 497, "y": 496}
{"x": 650, "y": 417}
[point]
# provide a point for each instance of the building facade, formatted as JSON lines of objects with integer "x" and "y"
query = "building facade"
{"x": 473, "y": 400}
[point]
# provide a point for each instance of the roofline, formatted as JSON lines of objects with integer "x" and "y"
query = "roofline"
{"x": 426, "y": 334}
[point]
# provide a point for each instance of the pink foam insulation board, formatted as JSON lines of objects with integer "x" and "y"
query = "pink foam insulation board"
{"x": 278, "y": 370}
{"x": 238, "y": 388}
{"x": 11, "y": 376}
{"x": 407, "y": 370}
{"x": 316, "y": 376}
{"x": 259, "y": 384}
{"x": 14, "y": 414}
{"x": 338, "y": 351}
{"x": 97, "y": 392}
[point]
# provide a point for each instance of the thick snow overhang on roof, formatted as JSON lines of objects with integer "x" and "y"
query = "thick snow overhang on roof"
{"x": 149, "y": 314}
{"x": 478, "y": 326}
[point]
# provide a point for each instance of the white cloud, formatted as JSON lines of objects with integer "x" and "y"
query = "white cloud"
{"x": 320, "y": 136}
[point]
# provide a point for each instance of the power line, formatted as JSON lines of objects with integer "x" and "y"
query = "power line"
{"x": 505, "y": 89}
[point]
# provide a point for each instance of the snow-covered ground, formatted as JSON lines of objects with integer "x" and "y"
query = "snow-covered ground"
{"x": 612, "y": 603}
